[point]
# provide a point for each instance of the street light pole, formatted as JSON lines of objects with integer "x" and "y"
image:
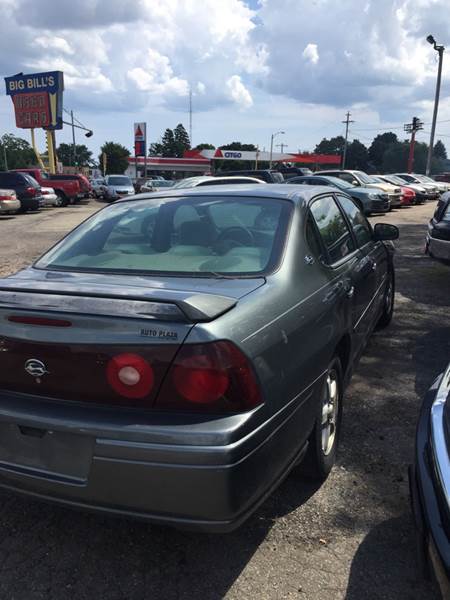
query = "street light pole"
{"x": 440, "y": 50}
{"x": 271, "y": 145}
{"x": 74, "y": 147}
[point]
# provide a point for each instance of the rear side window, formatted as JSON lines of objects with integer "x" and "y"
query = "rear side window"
{"x": 9, "y": 179}
{"x": 332, "y": 227}
{"x": 446, "y": 215}
{"x": 358, "y": 222}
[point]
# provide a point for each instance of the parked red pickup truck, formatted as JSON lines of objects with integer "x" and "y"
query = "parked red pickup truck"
{"x": 67, "y": 190}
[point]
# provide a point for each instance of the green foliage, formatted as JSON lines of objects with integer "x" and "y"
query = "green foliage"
{"x": 357, "y": 156}
{"x": 83, "y": 155}
{"x": 19, "y": 152}
{"x": 439, "y": 150}
{"x": 379, "y": 146}
{"x": 173, "y": 143}
{"x": 204, "y": 147}
{"x": 117, "y": 157}
{"x": 333, "y": 145}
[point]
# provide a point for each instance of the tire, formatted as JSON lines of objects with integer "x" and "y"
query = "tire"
{"x": 388, "y": 302}
{"x": 322, "y": 449}
{"x": 62, "y": 199}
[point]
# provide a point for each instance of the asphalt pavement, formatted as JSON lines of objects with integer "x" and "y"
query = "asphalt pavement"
{"x": 351, "y": 538}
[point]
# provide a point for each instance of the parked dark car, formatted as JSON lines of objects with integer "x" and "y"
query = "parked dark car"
{"x": 369, "y": 200}
{"x": 429, "y": 481}
{"x": 27, "y": 189}
{"x": 438, "y": 237}
{"x": 289, "y": 172}
{"x": 445, "y": 177}
{"x": 175, "y": 356}
{"x": 267, "y": 175}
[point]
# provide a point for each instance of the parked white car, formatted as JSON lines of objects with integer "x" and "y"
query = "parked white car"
{"x": 50, "y": 197}
{"x": 9, "y": 203}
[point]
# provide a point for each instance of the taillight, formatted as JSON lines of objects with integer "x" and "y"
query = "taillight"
{"x": 40, "y": 321}
{"x": 45, "y": 193}
{"x": 216, "y": 377}
{"x": 130, "y": 375}
{"x": 30, "y": 190}
{"x": 7, "y": 197}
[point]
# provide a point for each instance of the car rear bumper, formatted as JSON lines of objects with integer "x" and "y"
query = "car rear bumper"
{"x": 122, "y": 469}
{"x": 433, "y": 545}
{"x": 33, "y": 203}
{"x": 438, "y": 248}
{"x": 9, "y": 206}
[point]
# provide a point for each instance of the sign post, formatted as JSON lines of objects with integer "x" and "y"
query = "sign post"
{"x": 140, "y": 144}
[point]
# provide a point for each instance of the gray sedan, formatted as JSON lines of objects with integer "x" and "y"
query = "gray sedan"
{"x": 175, "y": 356}
{"x": 369, "y": 200}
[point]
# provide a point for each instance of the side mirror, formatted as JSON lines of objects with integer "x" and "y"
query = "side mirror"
{"x": 384, "y": 231}
{"x": 355, "y": 182}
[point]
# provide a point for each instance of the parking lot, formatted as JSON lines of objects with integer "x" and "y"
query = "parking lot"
{"x": 350, "y": 538}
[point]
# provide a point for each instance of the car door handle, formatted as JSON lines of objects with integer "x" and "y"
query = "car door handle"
{"x": 350, "y": 292}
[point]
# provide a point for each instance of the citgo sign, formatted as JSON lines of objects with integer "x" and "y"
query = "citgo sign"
{"x": 37, "y": 99}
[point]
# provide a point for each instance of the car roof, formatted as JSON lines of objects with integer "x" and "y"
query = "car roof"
{"x": 298, "y": 194}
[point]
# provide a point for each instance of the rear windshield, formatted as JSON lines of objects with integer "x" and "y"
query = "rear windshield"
{"x": 119, "y": 181}
{"x": 188, "y": 236}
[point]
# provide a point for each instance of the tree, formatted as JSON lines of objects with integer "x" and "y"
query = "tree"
{"x": 18, "y": 152}
{"x": 82, "y": 153}
{"x": 204, "y": 147}
{"x": 334, "y": 145}
{"x": 439, "y": 150}
{"x": 117, "y": 157}
{"x": 174, "y": 142}
{"x": 380, "y": 144}
{"x": 182, "y": 141}
{"x": 357, "y": 156}
{"x": 395, "y": 158}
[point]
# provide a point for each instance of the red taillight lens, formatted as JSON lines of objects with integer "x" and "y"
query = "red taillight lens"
{"x": 6, "y": 198}
{"x": 130, "y": 375}
{"x": 41, "y": 321}
{"x": 215, "y": 377}
{"x": 30, "y": 190}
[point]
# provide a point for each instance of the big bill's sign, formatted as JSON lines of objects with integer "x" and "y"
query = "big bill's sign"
{"x": 37, "y": 99}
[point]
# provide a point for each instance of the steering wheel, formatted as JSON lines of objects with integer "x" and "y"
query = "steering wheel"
{"x": 238, "y": 235}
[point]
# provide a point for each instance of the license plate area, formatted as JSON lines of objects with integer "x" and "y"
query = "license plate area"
{"x": 45, "y": 453}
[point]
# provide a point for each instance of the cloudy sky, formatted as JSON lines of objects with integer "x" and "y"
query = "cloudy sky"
{"x": 254, "y": 66}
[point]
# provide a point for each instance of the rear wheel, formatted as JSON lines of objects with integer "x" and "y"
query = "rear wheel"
{"x": 388, "y": 302}
{"x": 61, "y": 199}
{"x": 324, "y": 439}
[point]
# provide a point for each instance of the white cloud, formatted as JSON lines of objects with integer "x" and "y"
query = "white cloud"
{"x": 52, "y": 42}
{"x": 311, "y": 54}
{"x": 239, "y": 93}
{"x": 158, "y": 77}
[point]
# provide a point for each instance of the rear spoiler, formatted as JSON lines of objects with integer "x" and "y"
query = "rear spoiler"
{"x": 193, "y": 308}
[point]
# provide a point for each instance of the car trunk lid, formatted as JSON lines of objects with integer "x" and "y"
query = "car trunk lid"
{"x": 60, "y": 335}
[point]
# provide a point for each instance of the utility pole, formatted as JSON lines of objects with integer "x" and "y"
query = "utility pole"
{"x": 347, "y": 123}
{"x": 281, "y": 146}
{"x": 190, "y": 116}
{"x": 74, "y": 147}
{"x": 440, "y": 50}
{"x": 411, "y": 128}
{"x": 4, "y": 156}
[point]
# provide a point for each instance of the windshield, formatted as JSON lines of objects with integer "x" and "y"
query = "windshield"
{"x": 408, "y": 178}
{"x": 159, "y": 183}
{"x": 394, "y": 179}
{"x": 188, "y": 183}
{"x": 115, "y": 180}
{"x": 339, "y": 183}
{"x": 364, "y": 177}
{"x": 186, "y": 236}
{"x": 425, "y": 179}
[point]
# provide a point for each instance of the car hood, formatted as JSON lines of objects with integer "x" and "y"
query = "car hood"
{"x": 388, "y": 188}
{"x": 365, "y": 191}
